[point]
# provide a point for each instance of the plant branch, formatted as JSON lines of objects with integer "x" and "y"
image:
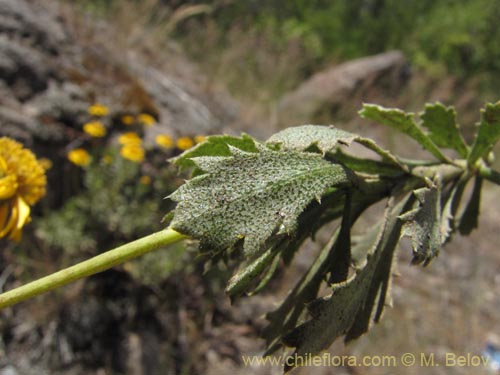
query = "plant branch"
{"x": 91, "y": 266}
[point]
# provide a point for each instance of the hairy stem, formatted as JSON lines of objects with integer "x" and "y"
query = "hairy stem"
{"x": 91, "y": 266}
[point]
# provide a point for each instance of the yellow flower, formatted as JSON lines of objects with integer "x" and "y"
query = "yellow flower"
{"x": 95, "y": 129}
{"x": 145, "y": 180}
{"x": 127, "y": 119}
{"x": 133, "y": 152}
{"x": 146, "y": 119}
{"x": 164, "y": 140}
{"x": 184, "y": 143}
{"x": 129, "y": 138}
{"x": 79, "y": 157}
{"x": 22, "y": 184}
{"x": 98, "y": 110}
{"x": 199, "y": 138}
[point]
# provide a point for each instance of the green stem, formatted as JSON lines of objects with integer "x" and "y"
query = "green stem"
{"x": 91, "y": 266}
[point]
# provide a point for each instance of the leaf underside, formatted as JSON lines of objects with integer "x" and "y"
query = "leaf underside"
{"x": 423, "y": 224}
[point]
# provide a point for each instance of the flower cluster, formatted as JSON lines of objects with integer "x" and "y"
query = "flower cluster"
{"x": 131, "y": 145}
{"x": 22, "y": 184}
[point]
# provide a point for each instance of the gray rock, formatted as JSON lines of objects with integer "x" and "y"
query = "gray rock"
{"x": 31, "y": 22}
{"x": 330, "y": 89}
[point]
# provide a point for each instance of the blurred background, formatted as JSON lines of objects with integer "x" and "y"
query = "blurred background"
{"x": 104, "y": 92}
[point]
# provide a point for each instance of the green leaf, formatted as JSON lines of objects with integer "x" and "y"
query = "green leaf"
{"x": 251, "y": 195}
{"x": 240, "y": 282}
{"x": 449, "y": 210}
{"x": 488, "y": 133}
{"x": 349, "y": 307}
{"x": 404, "y": 122}
{"x": 443, "y": 128}
{"x": 214, "y": 145}
{"x": 325, "y": 139}
{"x": 369, "y": 166}
{"x": 423, "y": 224}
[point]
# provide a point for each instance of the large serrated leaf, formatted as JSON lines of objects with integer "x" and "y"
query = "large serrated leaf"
{"x": 423, "y": 224}
{"x": 404, "y": 122}
{"x": 251, "y": 195}
{"x": 325, "y": 139}
{"x": 488, "y": 133}
{"x": 349, "y": 308}
{"x": 443, "y": 128}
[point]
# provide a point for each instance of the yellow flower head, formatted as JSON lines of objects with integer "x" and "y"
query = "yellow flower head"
{"x": 129, "y": 138}
{"x": 164, "y": 140}
{"x": 94, "y": 129}
{"x": 146, "y": 119}
{"x": 133, "y": 152}
{"x": 79, "y": 157}
{"x": 145, "y": 180}
{"x": 22, "y": 184}
{"x": 98, "y": 110}
{"x": 199, "y": 138}
{"x": 127, "y": 119}
{"x": 184, "y": 143}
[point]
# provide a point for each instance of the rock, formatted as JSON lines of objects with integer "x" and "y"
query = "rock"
{"x": 334, "y": 87}
{"x": 31, "y": 23}
{"x": 23, "y": 69}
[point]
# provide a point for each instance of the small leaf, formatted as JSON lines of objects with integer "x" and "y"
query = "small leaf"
{"x": 214, "y": 145}
{"x": 488, "y": 133}
{"x": 449, "y": 211}
{"x": 423, "y": 224}
{"x": 443, "y": 128}
{"x": 240, "y": 282}
{"x": 403, "y": 122}
{"x": 251, "y": 195}
{"x": 267, "y": 277}
{"x": 470, "y": 216}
